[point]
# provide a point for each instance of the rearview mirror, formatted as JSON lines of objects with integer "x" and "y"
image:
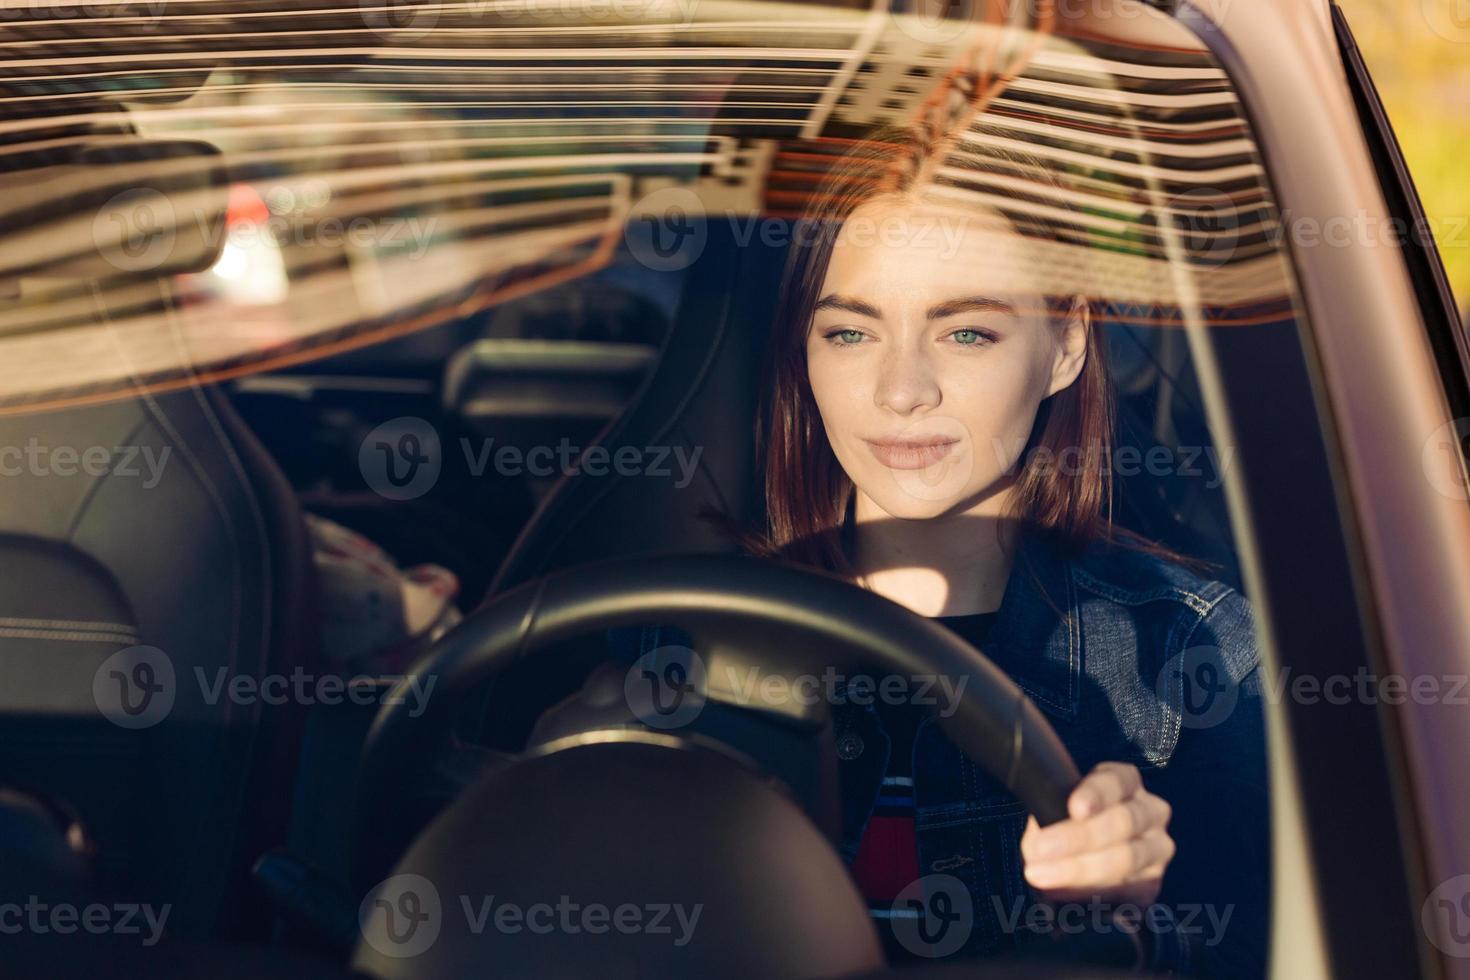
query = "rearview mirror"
{"x": 120, "y": 207}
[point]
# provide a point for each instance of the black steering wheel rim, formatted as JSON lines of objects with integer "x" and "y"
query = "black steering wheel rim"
{"x": 722, "y": 602}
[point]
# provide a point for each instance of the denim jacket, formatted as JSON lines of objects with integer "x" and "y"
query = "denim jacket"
{"x": 1132, "y": 659}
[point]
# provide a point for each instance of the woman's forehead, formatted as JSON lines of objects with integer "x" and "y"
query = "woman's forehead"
{"x": 924, "y": 251}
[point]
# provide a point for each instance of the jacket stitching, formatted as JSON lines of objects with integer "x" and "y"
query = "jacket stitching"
{"x": 1128, "y": 597}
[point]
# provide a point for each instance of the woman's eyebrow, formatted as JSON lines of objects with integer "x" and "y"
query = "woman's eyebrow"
{"x": 832, "y": 301}
{"x": 970, "y": 304}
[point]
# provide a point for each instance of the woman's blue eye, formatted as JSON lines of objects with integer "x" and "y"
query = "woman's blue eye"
{"x": 970, "y": 338}
{"x": 848, "y": 336}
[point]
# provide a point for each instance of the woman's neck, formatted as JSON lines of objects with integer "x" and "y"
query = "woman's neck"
{"x": 953, "y": 565}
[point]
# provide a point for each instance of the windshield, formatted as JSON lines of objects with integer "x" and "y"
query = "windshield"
{"x": 413, "y": 304}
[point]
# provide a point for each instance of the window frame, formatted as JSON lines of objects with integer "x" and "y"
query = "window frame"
{"x": 1383, "y": 542}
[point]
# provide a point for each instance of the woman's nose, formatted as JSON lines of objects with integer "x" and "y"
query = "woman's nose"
{"x": 906, "y": 383}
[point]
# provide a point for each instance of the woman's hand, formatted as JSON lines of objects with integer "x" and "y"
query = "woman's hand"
{"x": 1113, "y": 846}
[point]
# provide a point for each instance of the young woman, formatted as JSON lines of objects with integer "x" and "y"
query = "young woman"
{"x": 939, "y": 432}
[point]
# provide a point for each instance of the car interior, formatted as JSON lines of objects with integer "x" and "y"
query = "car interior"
{"x": 264, "y": 825}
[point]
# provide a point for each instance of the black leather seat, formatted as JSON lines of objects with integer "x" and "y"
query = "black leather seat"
{"x": 211, "y": 566}
{"x": 701, "y": 396}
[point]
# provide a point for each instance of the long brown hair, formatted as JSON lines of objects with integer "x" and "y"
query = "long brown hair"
{"x": 807, "y": 493}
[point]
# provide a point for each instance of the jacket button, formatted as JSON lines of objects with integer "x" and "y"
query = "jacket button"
{"x": 849, "y": 747}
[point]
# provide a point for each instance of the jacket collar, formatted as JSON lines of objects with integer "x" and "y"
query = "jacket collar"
{"x": 1037, "y": 635}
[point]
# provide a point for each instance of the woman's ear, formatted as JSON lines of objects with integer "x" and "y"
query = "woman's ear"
{"x": 1072, "y": 335}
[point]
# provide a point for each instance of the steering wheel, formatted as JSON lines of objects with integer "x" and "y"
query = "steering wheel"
{"x": 754, "y": 612}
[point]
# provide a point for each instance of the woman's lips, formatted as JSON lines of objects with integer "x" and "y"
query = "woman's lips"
{"x": 910, "y": 454}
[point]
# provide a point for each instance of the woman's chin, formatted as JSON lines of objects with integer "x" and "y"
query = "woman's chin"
{"x": 916, "y": 494}
{"x": 903, "y": 505}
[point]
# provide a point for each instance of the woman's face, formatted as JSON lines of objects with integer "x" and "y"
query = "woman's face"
{"x": 929, "y": 353}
